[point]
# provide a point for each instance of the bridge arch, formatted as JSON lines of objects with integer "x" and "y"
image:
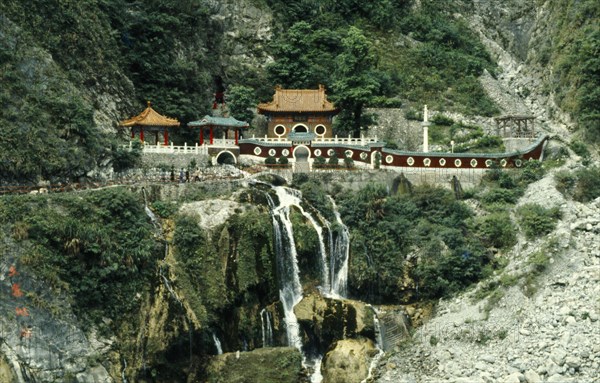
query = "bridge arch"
{"x": 225, "y": 157}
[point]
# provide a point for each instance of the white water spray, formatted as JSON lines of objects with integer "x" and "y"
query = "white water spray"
{"x": 340, "y": 253}
{"x": 217, "y": 343}
{"x": 267, "y": 328}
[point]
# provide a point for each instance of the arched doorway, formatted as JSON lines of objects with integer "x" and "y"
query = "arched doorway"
{"x": 301, "y": 156}
{"x": 225, "y": 158}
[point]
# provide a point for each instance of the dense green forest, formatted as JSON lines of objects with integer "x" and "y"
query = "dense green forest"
{"x": 72, "y": 69}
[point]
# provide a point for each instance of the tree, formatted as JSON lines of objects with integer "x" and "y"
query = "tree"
{"x": 355, "y": 82}
{"x": 241, "y": 101}
{"x": 304, "y": 56}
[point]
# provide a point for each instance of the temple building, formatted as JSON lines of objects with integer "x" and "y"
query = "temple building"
{"x": 221, "y": 126}
{"x": 150, "y": 121}
{"x": 299, "y": 111}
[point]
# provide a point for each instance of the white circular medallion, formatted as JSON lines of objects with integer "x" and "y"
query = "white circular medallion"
{"x": 457, "y": 163}
{"x": 427, "y": 162}
{"x": 473, "y": 163}
{"x": 488, "y": 163}
{"x": 285, "y": 152}
{"x": 348, "y": 153}
{"x": 330, "y": 152}
{"x": 272, "y": 152}
{"x": 389, "y": 159}
{"x": 257, "y": 151}
{"x": 363, "y": 156}
{"x": 317, "y": 152}
{"x": 442, "y": 162}
{"x": 503, "y": 163}
{"x": 518, "y": 163}
{"x": 410, "y": 161}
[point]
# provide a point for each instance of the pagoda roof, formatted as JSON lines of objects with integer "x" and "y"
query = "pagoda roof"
{"x": 298, "y": 100}
{"x": 228, "y": 122}
{"x": 150, "y": 117}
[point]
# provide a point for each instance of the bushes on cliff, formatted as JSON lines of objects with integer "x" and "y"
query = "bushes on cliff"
{"x": 97, "y": 246}
{"x": 403, "y": 241}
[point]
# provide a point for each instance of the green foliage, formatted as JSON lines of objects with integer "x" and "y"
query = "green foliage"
{"x": 385, "y": 229}
{"x": 537, "y": 220}
{"x": 216, "y": 269}
{"x": 348, "y": 162}
{"x": 98, "y": 244}
{"x": 565, "y": 182}
{"x": 496, "y": 230}
{"x": 333, "y": 160}
{"x": 319, "y": 162}
{"x": 241, "y": 101}
{"x": 164, "y": 209}
{"x": 283, "y": 160}
{"x": 579, "y": 148}
{"x": 573, "y": 51}
{"x": 440, "y": 119}
{"x": 304, "y": 56}
{"x": 588, "y": 184}
{"x": 354, "y": 82}
{"x": 270, "y": 160}
{"x": 124, "y": 159}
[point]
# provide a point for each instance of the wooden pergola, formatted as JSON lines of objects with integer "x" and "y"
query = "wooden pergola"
{"x": 150, "y": 121}
{"x": 517, "y": 126}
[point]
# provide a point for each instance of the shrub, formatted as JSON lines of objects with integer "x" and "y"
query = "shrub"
{"x": 270, "y": 160}
{"x": 333, "y": 160}
{"x": 164, "y": 209}
{"x": 498, "y": 195}
{"x": 588, "y": 184}
{"x": 537, "y": 220}
{"x": 497, "y": 230}
{"x": 413, "y": 114}
{"x": 283, "y": 160}
{"x": 579, "y": 148}
{"x": 319, "y": 162}
{"x": 440, "y": 119}
{"x": 565, "y": 182}
{"x": 348, "y": 162}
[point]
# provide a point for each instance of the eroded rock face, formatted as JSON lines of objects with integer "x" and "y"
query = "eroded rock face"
{"x": 325, "y": 320}
{"x": 348, "y": 361}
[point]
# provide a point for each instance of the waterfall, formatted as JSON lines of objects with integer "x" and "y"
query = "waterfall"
{"x": 217, "y": 343}
{"x": 378, "y": 344}
{"x": 340, "y": 252}
{"x": 267, "y": 328}
{"x": 123, "y": 377}
{"x": 290, "y": 291}
{"x": 149, "y": 212}
{"x": 316, "y": 376}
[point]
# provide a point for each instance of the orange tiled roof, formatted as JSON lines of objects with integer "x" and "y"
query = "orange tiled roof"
{"x": 298, "y": 100}
{"x": 150, "y": 117}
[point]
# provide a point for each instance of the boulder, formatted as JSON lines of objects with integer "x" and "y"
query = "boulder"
{"x": 348, "y": 361}
{"x": 325, "y": 320}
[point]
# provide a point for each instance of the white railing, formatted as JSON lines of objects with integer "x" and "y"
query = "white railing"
{"x": 185, "y": 149}
{"x": 362, "y": 141}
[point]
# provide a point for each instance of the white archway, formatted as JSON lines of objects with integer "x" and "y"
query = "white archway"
{"x": 301, "y": 153}
{"x": 222, "y": 156}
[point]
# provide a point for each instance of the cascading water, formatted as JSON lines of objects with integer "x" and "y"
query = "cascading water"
{"x": 378, "y": 344}
{"x": 267, "y": 328}
{"x": 217, "y": 343}
{"x": 290, "y": 290}
{"x": 340, "y": 252}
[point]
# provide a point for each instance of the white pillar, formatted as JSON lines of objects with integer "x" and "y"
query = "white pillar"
{"x": 425, "y": 130}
